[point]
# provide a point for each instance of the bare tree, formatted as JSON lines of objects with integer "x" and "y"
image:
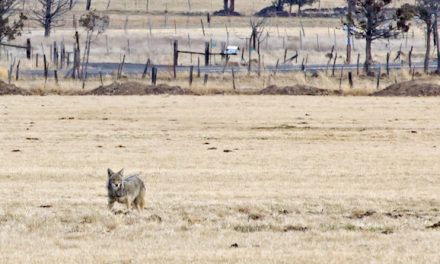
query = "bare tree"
{"x": 50, "y": 13}
{"x": 10, "y": 29}
{"x": 257, "y": 26}
{"x": 94, "y": 25}
{"x": 373, "y": 20}
{"x": 426, "y": 11}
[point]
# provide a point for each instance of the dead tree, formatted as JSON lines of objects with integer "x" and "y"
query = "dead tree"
{"x": 94, "y": 25}
{"x": 257, "y": 26}
{"x": 9, "y": 29}
{"x": 50, "y": 13}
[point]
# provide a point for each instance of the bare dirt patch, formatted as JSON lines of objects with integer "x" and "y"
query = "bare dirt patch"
{"x": 10, "y": 89}
{"x": 297, "y": 90}
{"x": 136, "y": 88}
{"x": 410, "y": 88}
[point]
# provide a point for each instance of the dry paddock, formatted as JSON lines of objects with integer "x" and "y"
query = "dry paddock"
{"x": 230, "y": 179}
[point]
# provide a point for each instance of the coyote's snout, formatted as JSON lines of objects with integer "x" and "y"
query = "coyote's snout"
{"x": 129, "y": 191}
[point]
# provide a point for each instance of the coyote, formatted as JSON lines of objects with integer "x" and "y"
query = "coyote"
{"x": 130, "y": 190}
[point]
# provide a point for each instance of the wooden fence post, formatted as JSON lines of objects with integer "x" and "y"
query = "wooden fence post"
{"x": 17, "y": 72}
{"x": 378, "y": 77}
{"x": 198, "y": 67}
{"x": 144, "y": 74}
{"x": 233, "y": 79}
{"x": 207, "y": 53}
{"x": 121, "y": 66}
{"x": 334, "y": 64}
{"x": 358, "y": 63}
{"x": 413, "y": 71}
{"x": 154, "y": 75}
{"x": 203, "y": 27}
{"x": 342, "y": 75}
{"x": 45, "y": 66}
{"x": 191, "y": 70}
{"x": 175, "y": 57}
{"x": 28, "y": 49}
{"x": 350, "y": 79}
{"x": 276, "y": 67}
{"x": 55, "y": 73}
{"x": 388, "y": 64}
{"x": 410, "y": 57}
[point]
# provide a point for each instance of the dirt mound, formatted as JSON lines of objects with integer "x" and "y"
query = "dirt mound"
{"x": 297, "y": 90}
{"x": 271, "y": 11}
{"x": 225, "y": 13}
{"x": 410, "y": 88}
{"x": 10, "y": 89}
{"x": 135, "y": 88}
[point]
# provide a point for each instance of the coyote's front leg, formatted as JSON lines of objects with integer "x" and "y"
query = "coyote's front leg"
{"x": 128, "y": 203}
{"x": 110, "y": 204}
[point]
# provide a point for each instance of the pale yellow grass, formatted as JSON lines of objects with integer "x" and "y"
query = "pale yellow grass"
{"x": 296, "y": 162}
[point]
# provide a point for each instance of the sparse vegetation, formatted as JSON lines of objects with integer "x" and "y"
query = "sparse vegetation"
{"x": 334, "y": 188}
{"x": 257, "y": 139}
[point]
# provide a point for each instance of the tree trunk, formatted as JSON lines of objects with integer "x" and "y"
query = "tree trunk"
{"x": 438, "y": 42}
{"x": 225, "y": 5}
{"x": 88, "y": 5}
{"x": 428, "y": 45}
{"x": 368, "y": 56}
{"x": 48, "y": 18}
{"x": 232, "y": 6}
{"x": 279, "y": 6}
{"x": 349, "y": 27}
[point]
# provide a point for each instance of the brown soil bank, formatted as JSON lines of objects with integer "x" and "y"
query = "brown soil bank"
{"x": 410, "y": 88}
{"x": 10, "y": 89}
{"x": 297, "y": 90}
{"x": 135, "y": 88}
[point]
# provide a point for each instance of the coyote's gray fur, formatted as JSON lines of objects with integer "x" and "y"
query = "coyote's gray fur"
{"x": 129, "y": 191}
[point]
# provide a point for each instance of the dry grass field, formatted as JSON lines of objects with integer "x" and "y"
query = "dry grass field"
{"x": 231, "y": 179}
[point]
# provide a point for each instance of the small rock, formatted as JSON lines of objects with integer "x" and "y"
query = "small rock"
{"x": 235, "y": 245}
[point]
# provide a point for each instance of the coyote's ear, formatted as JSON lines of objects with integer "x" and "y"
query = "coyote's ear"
{"x": 110, "y": 173}
{"x": 121, "y": 172}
